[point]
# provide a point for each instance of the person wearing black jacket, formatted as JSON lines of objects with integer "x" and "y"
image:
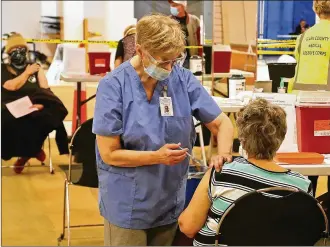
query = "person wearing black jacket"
{"x": 302, "y": 27}
{"x": 23, "y": 137}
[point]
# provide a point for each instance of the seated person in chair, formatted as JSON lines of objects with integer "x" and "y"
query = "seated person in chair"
{"x": 24, "y": 137}
{"x": 262, "y": 128}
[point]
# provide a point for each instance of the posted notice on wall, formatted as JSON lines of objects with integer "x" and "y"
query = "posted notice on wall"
{"x": 21, "y": 107}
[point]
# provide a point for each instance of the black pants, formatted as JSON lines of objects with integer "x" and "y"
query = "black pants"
{"x": 61, "y": 139}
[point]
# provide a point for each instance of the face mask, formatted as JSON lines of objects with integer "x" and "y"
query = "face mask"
{"x": 174, "y": 11}
{"x": 18, "y": 58}
{"x": 157, "y": 73}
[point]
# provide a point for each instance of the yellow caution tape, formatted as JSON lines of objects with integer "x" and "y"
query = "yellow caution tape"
{"x": 111, "y": 44}
{"x": 276, "y": 41}
{"x": 262, "y": 52}
{"x": 276, "y": 45}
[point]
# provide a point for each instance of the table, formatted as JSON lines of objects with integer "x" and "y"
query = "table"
{"x": 79, "y": 79}
{"x": 232, "y": 72}
{"x": 312, "y": 170}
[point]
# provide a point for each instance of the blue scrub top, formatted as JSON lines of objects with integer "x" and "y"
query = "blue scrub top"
{"x": 147, "y": 196}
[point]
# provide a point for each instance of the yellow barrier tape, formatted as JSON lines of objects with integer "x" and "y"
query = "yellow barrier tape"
{"x": 261, "y": 52}
{"x": 276, "y": 45}
{"x": 276, "y": 41}
{"x": 111, "y": 44}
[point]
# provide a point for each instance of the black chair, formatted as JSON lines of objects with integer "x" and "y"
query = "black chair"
{"x": 294, "y": 219}
{"x": 82, "y": 146}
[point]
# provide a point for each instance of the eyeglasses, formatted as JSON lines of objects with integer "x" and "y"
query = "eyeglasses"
{"x": 19, "y": 50}
{"x": 178, "y": 60}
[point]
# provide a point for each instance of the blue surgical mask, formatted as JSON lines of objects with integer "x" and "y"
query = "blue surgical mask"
{"x": 174, "y": 11}
{"x": 156, "y": 72}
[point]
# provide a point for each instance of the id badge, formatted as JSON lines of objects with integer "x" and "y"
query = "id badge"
{"x": 166, "y": 107}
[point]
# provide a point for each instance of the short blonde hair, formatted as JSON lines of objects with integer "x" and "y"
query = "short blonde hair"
{"x": 131, "y": 29}
{"x": 261, "y": 128}
{"x": 322, "y": 7}
{"x": 160, "y": 35}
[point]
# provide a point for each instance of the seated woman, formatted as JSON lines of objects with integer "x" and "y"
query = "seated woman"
{"x": 126, "y": 46}
{"x": 23, "y": 137}
{"x": 261, "y": 128}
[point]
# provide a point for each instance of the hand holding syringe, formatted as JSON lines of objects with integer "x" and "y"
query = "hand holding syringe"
{"x": 193, "y": 158}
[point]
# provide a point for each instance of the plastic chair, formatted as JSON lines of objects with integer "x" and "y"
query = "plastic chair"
{"x": 51, "y": 168}
{"x": 294, "y": 219}
{"x": 82, "y": 146}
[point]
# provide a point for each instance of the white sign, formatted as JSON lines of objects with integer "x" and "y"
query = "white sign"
{"x": 21, "y": 107}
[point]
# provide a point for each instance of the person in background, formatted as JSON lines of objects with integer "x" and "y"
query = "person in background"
{"x": 142, "y": 170}
{"x": 190, "y": 25}
{"x": 261, "y": 130}
{"x": 24, "y": 137}
{"x": 126, "y": 46}
{"x": 313, "y": 60}
{"x": 302, "y": 27}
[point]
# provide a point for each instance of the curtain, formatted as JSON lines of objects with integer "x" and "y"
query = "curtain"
{"x": 282, "y": 17}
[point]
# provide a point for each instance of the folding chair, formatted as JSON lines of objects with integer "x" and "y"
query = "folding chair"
{"x": 51, "y": 169}
{"x": 273, "y": 217}
{"x": 82, "y": 146}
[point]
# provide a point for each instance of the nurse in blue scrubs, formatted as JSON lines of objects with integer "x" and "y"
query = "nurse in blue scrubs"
{"x": 143, "y": 115}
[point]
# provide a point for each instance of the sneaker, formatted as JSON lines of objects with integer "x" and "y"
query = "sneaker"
{"x": 41, "y": 156}
{"x": 19, "y": 165}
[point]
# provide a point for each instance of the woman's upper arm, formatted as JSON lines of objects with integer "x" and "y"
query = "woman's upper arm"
{"x": 43, "y": 82}
{"x": 108, "y": 108}
{"x": 203, "y": 107}
{"x": 194, "y": 216}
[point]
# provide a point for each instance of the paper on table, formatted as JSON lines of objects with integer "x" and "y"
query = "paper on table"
{"x": 21, "y": 107}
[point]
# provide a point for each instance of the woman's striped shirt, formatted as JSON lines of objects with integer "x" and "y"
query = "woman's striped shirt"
{"x": 235, "y": 180}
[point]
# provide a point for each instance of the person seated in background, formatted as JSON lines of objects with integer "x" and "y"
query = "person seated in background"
{"x": 302, "y": 27}
{"x": 261, "y": 128}
{"x": 190, "y": 26}
{"x": 24, "y": 137}
{"x": 126, "y": 46}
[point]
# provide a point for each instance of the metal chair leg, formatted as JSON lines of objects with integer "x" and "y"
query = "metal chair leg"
{"x": 209, "y": 151}
{"x": 68, "y": 212}
{"x": 51, "y": 169}
{"x": 201, "y": 140}
{"x": 64, "y": 212}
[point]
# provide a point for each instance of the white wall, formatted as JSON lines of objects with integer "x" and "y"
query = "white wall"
{"x": 119, "y": 14}
{"x": 94, "y": 9}
{"x": 73, "y": 16}
{"x": 49, "y": 8}
{"x": 22, "y": 17}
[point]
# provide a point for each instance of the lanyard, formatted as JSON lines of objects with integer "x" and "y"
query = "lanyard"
{"x": 164, "y": 91}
